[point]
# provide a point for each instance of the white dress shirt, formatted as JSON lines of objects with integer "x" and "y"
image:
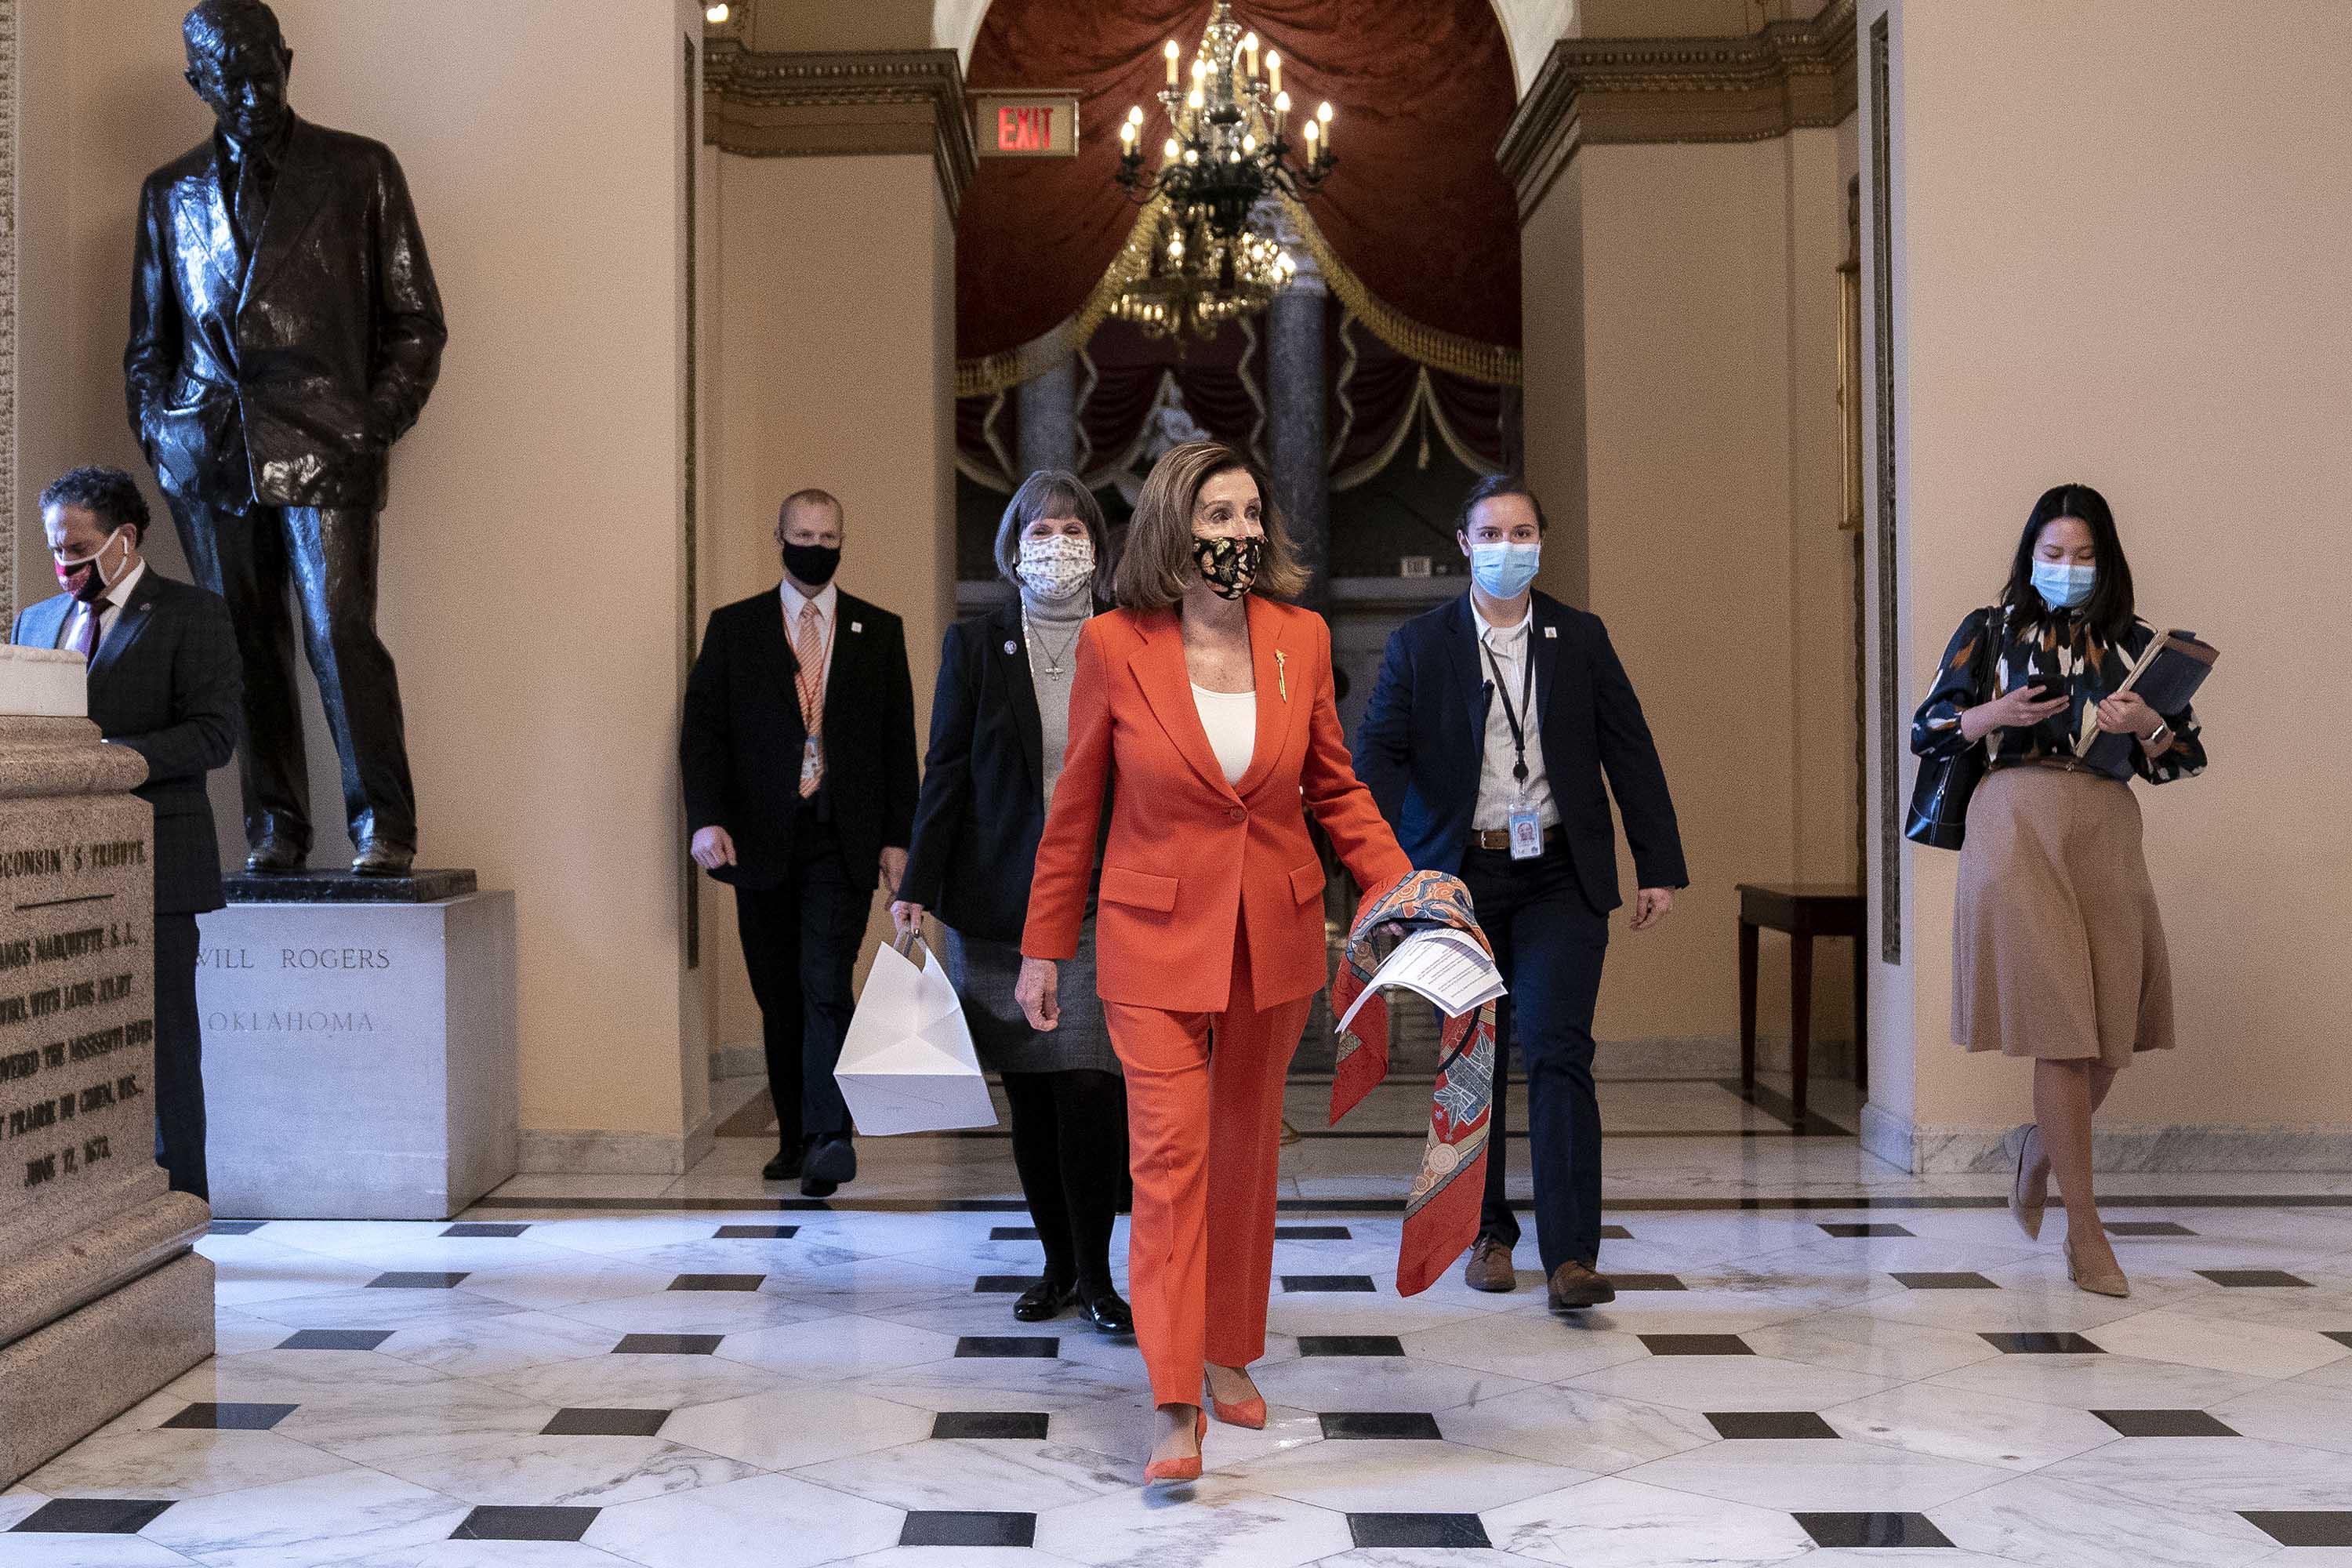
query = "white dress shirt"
{"x": 108, "y": 607}
{"x": 827, "y": 601}
{"x": 1499, "y": 793}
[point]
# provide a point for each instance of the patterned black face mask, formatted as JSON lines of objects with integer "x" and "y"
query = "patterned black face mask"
{"x": 1229, "y": 565}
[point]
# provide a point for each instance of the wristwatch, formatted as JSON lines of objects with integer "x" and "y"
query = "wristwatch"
{"x": 2163, "y": 727}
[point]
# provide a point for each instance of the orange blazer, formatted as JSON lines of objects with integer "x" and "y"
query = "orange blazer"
{"x": 1190, "y": 857}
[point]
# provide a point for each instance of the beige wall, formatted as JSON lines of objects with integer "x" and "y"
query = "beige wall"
{"x": 831, "y": 346}
{"x": 2123, "y": 254}
{"x": 531, "y": 559}
{"x": 1696, "y": 286}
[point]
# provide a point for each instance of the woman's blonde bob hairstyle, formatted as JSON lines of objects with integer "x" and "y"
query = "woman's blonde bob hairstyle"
{"x": 1155, "y": 562}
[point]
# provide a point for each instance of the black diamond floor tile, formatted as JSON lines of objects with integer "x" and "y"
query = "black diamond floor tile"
{"x": 335, "y": 1339}
{"x": 1313, "y": 1233}
{"x": 91, "y": 1516}
{"x": 1835, "y": 1529}
{"x": 2165, "y": 1424}
{"x": 990, "y": 1424}
{"x": 2288, "y": 1527}
{"x": 1008, "y": 1347}
{"x": 2147, "y": 1228}
{"x": 535, "y": 1523}
{"x": 597, "y": 1421}
{"x": 940, "y": 1527}
{"x": 1408, "y": 1530}
{"x": 756, "y": 1232}
{"x": 1319, "y": 1283}
{"x": 1003, "y": 1284}
{"x": 2254, "y": 1279}
{"x": 2041, "y": 1344}
{"x": 1882, "y": 1228}
{"x": 233, "y": 1226}
{"x": 1933, "y": 1280}
{"x": 1625, "y": 1282}
{"x": 2341, "y": 1336}
{"x": 1695, "y": 1344}
{"x": 416, "y": 1279}
{"x": 230, "y": 1417}
{"x": 1349, "y": 1344}
{"x": 668, "y": 1344}
{"x": 1382, "y": 1424}
{"x": 718, "y": 1281}
{"x": 475, "y": 1229}
{"x": 1777, "y": 1425}
{"x": 1615, "y": 1233}
{"x": 1013, "y": 1233}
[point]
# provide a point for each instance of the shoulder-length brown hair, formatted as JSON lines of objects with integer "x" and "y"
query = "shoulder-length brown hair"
{"x": 1155, "y": 563}
{"x": 1049, "y": 492}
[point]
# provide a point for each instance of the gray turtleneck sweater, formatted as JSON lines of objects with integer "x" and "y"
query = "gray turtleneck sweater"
{"x": 1051, "y": 631}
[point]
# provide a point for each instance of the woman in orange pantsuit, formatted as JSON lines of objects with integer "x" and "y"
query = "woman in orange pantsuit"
{"x": 1206, "y": 708}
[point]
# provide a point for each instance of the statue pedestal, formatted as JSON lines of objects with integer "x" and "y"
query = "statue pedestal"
{"x": 101, "y": 1300}
{"x": 358, "y": 1050}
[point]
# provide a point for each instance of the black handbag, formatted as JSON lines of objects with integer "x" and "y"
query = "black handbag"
{"x": 1939, "y": 797}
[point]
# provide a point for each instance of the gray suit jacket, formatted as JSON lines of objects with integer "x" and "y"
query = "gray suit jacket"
{"x": 167, "y": 684}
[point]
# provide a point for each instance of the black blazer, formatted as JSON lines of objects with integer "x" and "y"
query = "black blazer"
{"x": 166, "y": 683}
{"x": 739, "y": 746}
{"x": 300, "y": 366}
{"x": 1420, "y": 743}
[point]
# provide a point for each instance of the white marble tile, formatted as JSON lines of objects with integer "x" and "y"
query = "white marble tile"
{"x": 508, "y": 1343}
{"x": 1016, "y": 1475}
{"x": 1325, "y": 1384}
{"x": 637, "y": 1382}
{"x": 1425, "y": 1557}
{"x": 233, "y": 1333}
{"x": 787, "y": 1428}
{"x": 1125, "y": 1430}
{"x": 879, "y": 1287}
{"x": 838, "y": 1347}
{"x": 2049, "y": 1523}
{"x": 2257, "y": 1350}
{"x": 629, "y": 1233}
{"x": 1354, "y": 1313}
{"x": 1876, "y": 1347}
{"x": 766, "y": 1522}
{"x": 291, "y": 1377}
{"x": 300, "y": 1524}
{"x": 1980, "y": 1428}
{"x": 1531, "y": 1347}
{"x": 989, "y": 1384}
{"x": 46, "y": 1551}
{"x": 2218, "y": 1473}
{"x": 1211, "y": 1525}
{"x": 362, "y": 1422}
{"x": 381, "y": 1308}
{"x": 2098, "y": 1381}
{"x": 16, "y": 1502}
{"x": 956, "y": 1557}
{"x": 1823, "y": 1475}
{"x": 1614, "y": 1522}
{"x": 2293, "y": 1412}
{"x": 178, "y": 1464}
{"x": 668, "y": 1311}
{"x": 563, "y": 1472}
{"x": 490, "y": 1554}
{"x": 1730, "y": 1383}
{"x": 1374, "y": 1476}
{"x": 549, "y": 1287}
{"x": 1578, "y": 1428}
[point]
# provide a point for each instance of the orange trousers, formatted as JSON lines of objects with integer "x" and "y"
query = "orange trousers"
{"x": 1204, "y": 1145}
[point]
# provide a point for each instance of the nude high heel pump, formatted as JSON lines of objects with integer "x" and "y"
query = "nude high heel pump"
{"x": 1159, "y": 1470}
{"x": 2105, "y": 1282}
{"x": 2029, "y": 1191}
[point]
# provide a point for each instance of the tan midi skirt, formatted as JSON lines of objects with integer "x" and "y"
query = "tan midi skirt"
{"x": 2058, "y": 946}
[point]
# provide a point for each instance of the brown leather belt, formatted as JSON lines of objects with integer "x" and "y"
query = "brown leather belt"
{"x": 1498, "y": 839}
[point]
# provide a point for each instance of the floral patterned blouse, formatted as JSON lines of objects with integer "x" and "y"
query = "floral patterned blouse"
{"x": 2056, "y": 651}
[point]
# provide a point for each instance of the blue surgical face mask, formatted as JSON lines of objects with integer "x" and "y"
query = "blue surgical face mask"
{"x": 2063, "y": 586}
{"x": 1504, "y": 570}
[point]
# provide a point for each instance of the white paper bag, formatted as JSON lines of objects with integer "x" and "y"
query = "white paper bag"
{"x": 907, "y": 1064}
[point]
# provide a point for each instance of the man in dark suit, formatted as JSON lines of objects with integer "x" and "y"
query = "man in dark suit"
{"x": 285, "y": 331}
{"x": 798, "y": 748}
{"x": 163, "y": 681}
{"x": 1485, "y": 743}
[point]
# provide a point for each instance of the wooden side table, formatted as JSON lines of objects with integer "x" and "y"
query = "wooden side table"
{"x": 1805, "y": 911}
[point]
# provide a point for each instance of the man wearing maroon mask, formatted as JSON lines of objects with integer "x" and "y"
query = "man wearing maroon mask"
{"x": 164, "y": 681}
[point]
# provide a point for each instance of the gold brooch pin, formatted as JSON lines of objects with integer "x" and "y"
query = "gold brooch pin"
{"x": 1281, "y": 673}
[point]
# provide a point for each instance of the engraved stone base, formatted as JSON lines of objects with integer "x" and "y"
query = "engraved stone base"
{"x": 62, "y": 1382}
{"x": 359, "y": 1057}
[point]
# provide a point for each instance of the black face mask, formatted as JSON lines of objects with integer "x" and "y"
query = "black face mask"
{"x": 1229, "y": 565}
{"x": 813, "y": 564}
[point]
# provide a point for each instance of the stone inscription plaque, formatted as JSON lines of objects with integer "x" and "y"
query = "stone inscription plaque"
{"x": 76, "y": 982}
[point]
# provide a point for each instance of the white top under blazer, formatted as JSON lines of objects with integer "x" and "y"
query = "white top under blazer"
{"x": 1231, "y": 720}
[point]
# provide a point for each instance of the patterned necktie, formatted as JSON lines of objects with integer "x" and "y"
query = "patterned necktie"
{"x": 808, "y": 648}
{"x": 88, "y": 640}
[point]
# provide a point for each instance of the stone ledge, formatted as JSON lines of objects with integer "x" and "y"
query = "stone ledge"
{"x": 1965, "y": 1150}
{"x": 64, "y": 1382}
{"x": 80, "y": 1268}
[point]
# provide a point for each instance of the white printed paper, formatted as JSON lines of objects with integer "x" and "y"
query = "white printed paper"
{"x": 1446, "y": 966}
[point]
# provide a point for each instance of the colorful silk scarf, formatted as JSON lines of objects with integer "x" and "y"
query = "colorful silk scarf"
{"x": 1441, "y": 1212}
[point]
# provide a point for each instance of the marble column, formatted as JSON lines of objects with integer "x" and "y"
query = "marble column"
{"x": 1049, "y": 418}
{"x": 1294, "y": 396}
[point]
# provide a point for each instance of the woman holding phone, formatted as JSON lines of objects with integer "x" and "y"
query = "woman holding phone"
{"x": 2058, "y": 944}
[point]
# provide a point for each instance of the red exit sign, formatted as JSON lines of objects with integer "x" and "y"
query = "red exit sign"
{"x": 1026, "y": 125}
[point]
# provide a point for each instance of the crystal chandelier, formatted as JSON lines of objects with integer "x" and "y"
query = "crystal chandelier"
{"x": 1227, "y": 150}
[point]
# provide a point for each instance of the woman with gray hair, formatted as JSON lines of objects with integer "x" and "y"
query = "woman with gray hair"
{"x": 1000, "y": 725}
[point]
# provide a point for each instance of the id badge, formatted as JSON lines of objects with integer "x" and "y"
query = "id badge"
{"x": 811, "y": 759}
{"x": 1527, "y": 836}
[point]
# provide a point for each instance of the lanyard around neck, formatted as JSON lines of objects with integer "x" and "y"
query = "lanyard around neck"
{"x": 1527, "y": 701}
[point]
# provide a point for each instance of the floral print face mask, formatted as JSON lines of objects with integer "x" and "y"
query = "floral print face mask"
{"x": 1229, "y": 565}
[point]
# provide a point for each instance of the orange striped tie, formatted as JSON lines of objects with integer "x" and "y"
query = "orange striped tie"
{"x": 808, "y": 648}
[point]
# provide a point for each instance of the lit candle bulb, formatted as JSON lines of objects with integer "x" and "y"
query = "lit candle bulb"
{"x": 1172, "y": 53}
{"x": 1312, "y": 129}
{"x": 1282, "y": 103}
{"x": 1249, "y": 45}
{"x": 1127, "y": 135}
{"x": 1195, "y": 99}
{"x": 1273, "y": 72}
{"x": 1324, "y": 114}
{"x": 1170, "y": 149}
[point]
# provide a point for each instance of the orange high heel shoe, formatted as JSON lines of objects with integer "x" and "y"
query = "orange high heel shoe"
{"x": 1249, "y": 1413}
{"x": 1160, "y": 1470}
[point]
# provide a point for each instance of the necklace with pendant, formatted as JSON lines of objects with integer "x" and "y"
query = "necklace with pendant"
{"x": 1054, "y": 659}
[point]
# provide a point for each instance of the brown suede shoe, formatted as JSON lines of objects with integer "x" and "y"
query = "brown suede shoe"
{"x": 1489, "y": 1268}
{"x": 1573, "y": 1286}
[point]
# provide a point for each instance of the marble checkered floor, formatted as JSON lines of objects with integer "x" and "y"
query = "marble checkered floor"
{"x": 1878, "y": 1370}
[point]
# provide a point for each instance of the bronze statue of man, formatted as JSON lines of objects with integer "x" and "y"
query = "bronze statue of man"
{"x": 285, "y": 331}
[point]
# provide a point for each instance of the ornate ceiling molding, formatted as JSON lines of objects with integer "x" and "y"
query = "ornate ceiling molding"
{"x": 1605, "y": 92}
{"x": 831, "y": 105}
